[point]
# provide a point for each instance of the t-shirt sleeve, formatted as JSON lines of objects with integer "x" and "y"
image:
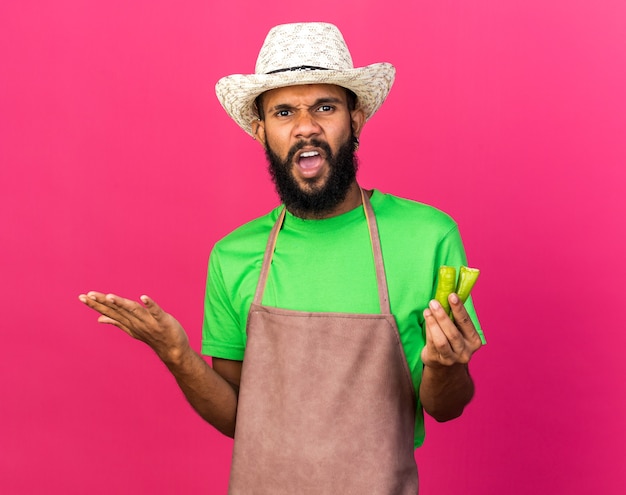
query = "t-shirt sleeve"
{"x": 451, "y": 252}
{"x": 221, "y": 328}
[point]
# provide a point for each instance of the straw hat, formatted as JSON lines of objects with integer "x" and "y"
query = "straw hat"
{"x": 303, "y": 53}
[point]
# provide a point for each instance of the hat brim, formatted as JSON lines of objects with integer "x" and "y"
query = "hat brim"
{"x": 238, "y": 92}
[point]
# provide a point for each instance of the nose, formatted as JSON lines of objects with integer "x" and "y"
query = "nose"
{"x": 306, "y": 126}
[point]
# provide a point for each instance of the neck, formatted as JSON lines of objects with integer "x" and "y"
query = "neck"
{"x": 349, "y": 203}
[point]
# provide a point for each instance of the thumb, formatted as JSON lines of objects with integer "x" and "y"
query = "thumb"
{"x": 153, "y": 308}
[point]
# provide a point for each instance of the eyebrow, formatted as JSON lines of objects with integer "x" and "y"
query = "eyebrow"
{"x": 320, "y": 101}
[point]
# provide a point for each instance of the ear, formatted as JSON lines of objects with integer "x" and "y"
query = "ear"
{"x": 258, "y": 129}
{"x": 358, "y": 121}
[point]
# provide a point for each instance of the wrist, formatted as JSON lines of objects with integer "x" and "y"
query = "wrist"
{"x": 177, "y": 355}
{"x": 439, "y": 370}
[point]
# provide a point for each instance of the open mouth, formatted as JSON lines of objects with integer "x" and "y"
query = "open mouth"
{"x": 309, "y": 161}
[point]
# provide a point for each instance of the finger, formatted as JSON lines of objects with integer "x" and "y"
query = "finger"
{"x": 127, "y": 308}
{"x": 463, "y": 321}
{"x": 449, "y": 330}
{"x": 438, "y": 346}
{"x": 153, "y": 308}
{"x": 98, "y": 302}
{"x": 110, "y": 321}
{"x": 461, "y": 317}
{"x": 428, "y": 323}
{"x": 429, "y": 346}
{"x": 90, "y": 297}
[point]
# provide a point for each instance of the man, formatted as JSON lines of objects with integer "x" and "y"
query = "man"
{"x": 326, "y": 345}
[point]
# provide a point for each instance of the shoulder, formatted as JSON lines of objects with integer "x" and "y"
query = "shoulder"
{"x": 407, "y": 214}
{"x": 244, "y": 244}
{"x": 251, "y": 234}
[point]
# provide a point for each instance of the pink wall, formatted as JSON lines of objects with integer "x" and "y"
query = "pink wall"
{"x": 119, "y": 170}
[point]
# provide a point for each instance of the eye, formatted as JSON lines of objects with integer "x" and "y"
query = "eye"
{"x": 283, "y": 113}
{"x": 325, "y": 108}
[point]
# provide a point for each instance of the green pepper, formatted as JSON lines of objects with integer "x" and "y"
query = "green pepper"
{"x": 467, "y": 279}
{"x": 447, "y": 284}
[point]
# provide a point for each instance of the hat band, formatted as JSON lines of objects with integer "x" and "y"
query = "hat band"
{"x": 297, "y": 69}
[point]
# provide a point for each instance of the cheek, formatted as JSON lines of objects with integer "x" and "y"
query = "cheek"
{"x": 341, "y": 138}
{"x": 277, "y": 142}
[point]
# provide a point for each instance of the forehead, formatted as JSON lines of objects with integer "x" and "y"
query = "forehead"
{"x": 305, "y": 92}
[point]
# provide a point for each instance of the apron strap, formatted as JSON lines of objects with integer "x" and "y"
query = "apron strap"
{"x": 267, "y": 257}
{"x": 381, "y": 279}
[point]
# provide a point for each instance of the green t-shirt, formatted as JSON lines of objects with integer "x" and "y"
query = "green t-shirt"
{"x": 328, "y": 266}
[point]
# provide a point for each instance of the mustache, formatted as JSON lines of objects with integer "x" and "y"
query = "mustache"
{"x": 314, "y": 143}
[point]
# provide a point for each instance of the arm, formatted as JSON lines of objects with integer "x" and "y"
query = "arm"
{"x": 212, "y": 392}
{"x": 447, "y": 386}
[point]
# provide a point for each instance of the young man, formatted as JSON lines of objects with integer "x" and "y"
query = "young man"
{"x": 326, "y": 345}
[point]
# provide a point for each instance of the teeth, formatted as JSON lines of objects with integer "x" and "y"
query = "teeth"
{"x": 307, "y": 154}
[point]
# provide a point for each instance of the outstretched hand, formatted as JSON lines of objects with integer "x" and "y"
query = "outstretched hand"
{"x": 449, "y": 342}
{"x": 147, "y": 323}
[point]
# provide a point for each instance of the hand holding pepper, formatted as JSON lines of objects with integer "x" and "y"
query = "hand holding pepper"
{"x": 451, "y": 337}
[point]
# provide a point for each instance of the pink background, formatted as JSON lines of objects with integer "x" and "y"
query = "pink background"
{"x": 119, "y": 170}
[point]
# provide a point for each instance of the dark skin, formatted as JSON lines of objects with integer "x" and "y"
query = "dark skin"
{"x": 447, "y": 386}
{"x": 292, "y": 114}
{"x": 212, "y": 391}
{"x": 304, "y": 113}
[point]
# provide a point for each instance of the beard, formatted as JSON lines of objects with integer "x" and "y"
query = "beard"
{"x": 319, "y": 198}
